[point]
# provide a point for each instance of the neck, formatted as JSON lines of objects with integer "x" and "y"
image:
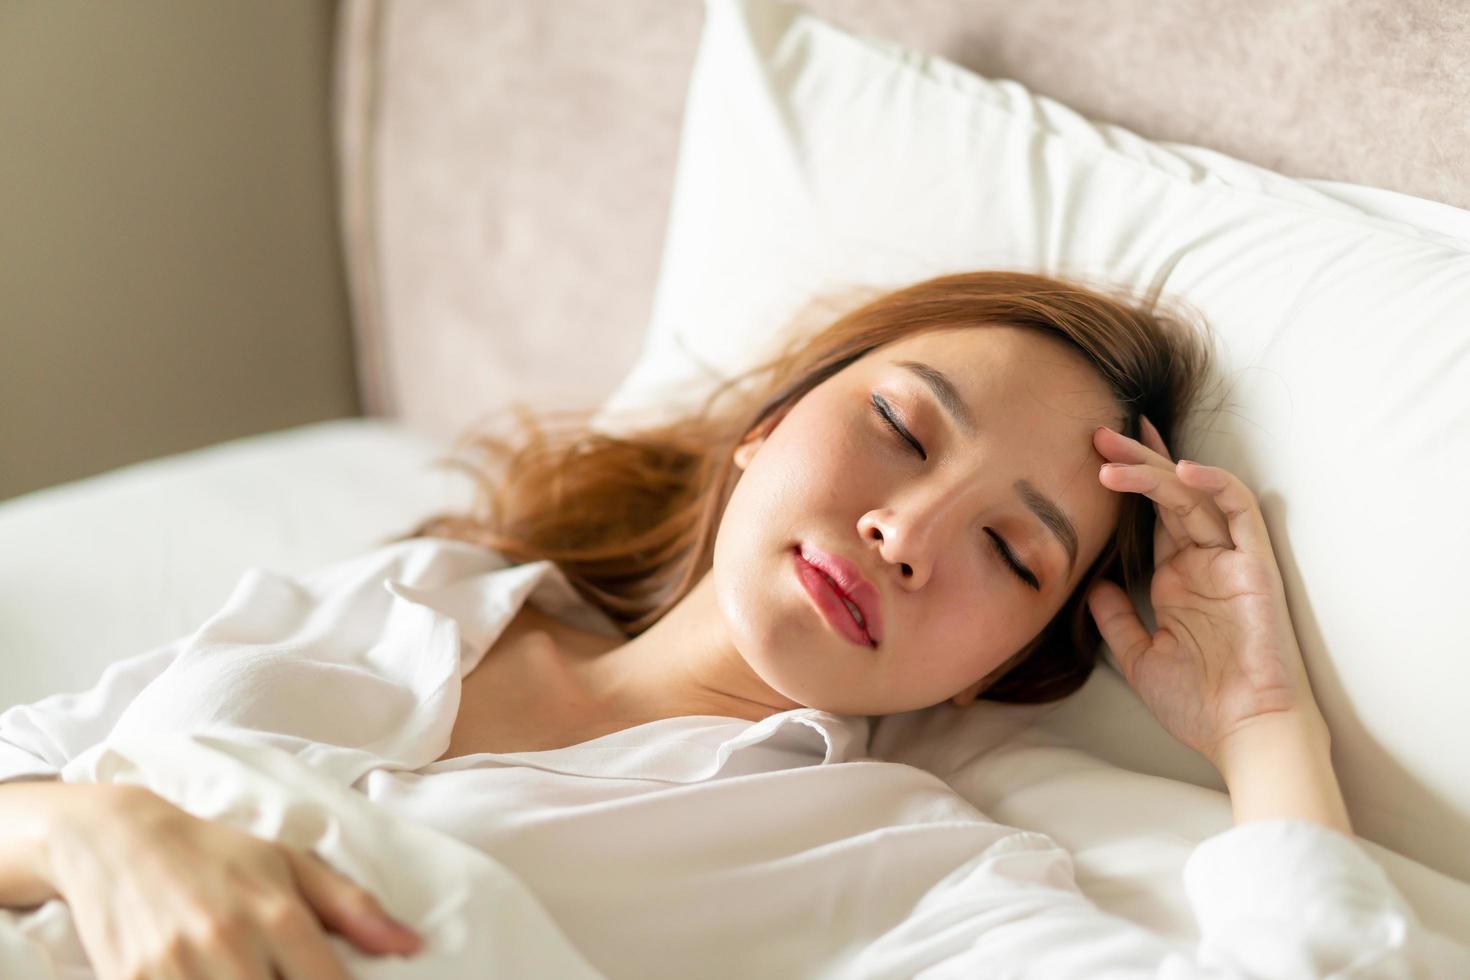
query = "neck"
{"x": 684, "y": 664}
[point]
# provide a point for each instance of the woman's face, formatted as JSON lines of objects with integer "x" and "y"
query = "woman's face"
{"x": 926, "y": 532}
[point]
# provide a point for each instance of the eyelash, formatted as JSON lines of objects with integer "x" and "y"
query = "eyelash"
{"x": 886, "y": 414}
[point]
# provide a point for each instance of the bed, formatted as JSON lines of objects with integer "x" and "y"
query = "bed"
{"x": 610, "y": 206}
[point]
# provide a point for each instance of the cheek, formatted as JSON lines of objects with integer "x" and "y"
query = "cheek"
{"x": 735, "y": 547}
{"x": 971, "y": 635}
{"x": 808, "y": 480}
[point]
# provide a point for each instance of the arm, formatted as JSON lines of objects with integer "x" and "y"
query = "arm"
{"x": 1286, "y": 893}
{"x": 1282, "y": 767}
{"x": 27, "y": 811}
{"x": 1274, "y": 898}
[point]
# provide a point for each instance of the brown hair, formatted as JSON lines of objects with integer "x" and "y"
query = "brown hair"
{"x": 631, "y": 518}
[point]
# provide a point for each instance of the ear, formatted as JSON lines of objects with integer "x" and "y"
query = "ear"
{"x": 756, "y": 437}
{"x": 745, "y": 452}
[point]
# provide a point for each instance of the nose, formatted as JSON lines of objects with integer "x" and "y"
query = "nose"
{"x": 913, "y": 538}
{"x": 872, "y": 529}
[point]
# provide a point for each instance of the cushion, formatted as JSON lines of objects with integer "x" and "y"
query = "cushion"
{"x": 813, "y": 160}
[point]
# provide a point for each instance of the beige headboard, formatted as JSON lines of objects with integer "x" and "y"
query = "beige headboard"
{"x": 507, "y": 164}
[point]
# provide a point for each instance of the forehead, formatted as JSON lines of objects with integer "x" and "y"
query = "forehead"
{"x": 1014, "y": 367}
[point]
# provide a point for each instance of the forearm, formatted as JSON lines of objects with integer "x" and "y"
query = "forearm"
{"x": 29, "y": 812}
{"x": 1282, "y": 767}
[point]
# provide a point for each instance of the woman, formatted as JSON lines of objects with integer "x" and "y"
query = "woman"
{"x": 931, "y": 499}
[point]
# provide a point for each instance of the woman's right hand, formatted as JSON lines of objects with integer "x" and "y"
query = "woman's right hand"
{"x": 158, "y": 892}
{"x": 1225, "y": 656}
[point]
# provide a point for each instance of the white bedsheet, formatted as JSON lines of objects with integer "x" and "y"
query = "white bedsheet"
{"x": 1276, "y": 898}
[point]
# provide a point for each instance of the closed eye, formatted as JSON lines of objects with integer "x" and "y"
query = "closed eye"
{"x": 1022, "y": 572}
{"x": 886, "y": 413}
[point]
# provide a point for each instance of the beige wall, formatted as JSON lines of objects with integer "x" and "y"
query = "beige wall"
{"x": 170, "y": 274}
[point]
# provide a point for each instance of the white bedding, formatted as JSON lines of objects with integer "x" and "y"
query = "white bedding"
{"x": 483, "y": 920}
{"x": 1266, "y": 892}
{"x": 124, "y": 549}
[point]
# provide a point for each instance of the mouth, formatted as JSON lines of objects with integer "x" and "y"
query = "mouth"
{"x": 848, "y": 602}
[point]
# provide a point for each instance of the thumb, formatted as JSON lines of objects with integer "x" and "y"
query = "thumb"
{"x": 348, "y": 909}
{"x": 1119, "y": 624}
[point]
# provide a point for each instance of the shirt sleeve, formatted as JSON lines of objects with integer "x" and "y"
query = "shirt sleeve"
{"x": 1289, "y": 898}
{"x": 1272, "y": 898}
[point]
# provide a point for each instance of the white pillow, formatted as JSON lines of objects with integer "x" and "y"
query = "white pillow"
{"x": 812, "y": 159}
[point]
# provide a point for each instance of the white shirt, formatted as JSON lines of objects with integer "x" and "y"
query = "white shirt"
{"x": 700, "y": 846}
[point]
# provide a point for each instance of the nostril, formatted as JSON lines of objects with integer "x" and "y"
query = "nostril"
{"x": 907, "y": 571}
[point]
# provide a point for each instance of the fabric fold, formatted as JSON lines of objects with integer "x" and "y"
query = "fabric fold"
{"x": 477, "y": 918}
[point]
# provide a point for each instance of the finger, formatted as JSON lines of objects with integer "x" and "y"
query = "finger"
{"x": 299, "y": 948}
{"x": 1235, "y": 500}
{"x": 175, "y": 960}
{"x": 98, "y": 941}
{"x": 1155, "y": 441}
{"x": 1119, "y": 625}
{"x": 223, "y": 942}
{"x": 1152, "y": 439}
{"x": 1168, "y": 519}
{"x": 1193, "y": 508}
{"x": 1117, "y": 447}
{"x": 230, "y": 955}
{"x": 349, "y": 909}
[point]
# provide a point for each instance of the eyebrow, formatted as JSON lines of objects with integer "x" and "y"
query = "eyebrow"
{"x": 948, "y": 395}
{"x": 1052, "y": 516}
{"x": 1047, "y": 510}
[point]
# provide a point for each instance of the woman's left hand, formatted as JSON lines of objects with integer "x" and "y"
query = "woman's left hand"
{"x": 1224, "y": 655}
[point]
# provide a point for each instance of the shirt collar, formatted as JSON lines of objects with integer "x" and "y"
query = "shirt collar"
{"x": 685, "y": 748}
{"x": 694, "y": 748}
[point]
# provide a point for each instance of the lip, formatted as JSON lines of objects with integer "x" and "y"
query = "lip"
{"x": 850, "y": 584}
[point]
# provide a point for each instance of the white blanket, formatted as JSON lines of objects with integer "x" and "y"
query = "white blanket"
{"x": 1011, "y": 909}
{"x": 477, "y": 918}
